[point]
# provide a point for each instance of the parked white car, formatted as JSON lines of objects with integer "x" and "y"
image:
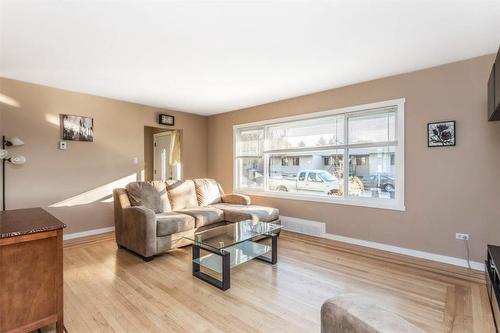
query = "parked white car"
{"x": 306, "y": 180}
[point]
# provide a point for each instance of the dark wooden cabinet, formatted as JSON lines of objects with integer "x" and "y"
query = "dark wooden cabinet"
{"x": 31, "y": 270}
{"x": 493, "y": 281}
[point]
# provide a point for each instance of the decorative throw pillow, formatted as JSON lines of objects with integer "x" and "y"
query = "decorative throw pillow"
{"x": 152, "y": 195}
{"x": 182, "y": 194}
{"x": 208, "y": 191}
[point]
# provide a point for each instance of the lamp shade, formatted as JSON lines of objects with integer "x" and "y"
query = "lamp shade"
{"x": 3, "y": 154}
{"x": 15, "y": 141}
{"x": 17, "y": 160}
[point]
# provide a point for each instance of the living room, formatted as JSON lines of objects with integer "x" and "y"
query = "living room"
{"x": 152, "y": 150}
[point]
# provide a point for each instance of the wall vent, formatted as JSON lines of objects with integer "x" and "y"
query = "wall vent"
{"x": 302, "y": 226}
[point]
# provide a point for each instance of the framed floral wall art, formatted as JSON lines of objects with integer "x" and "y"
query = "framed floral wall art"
{"x": 441, "y": 134}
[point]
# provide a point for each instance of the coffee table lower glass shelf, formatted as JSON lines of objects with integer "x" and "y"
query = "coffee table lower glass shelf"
{"x": 238, "y": 254}
{"x": 232, "y": 245}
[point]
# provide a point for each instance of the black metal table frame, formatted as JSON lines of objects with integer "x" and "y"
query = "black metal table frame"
{"x": 225, "y": 283}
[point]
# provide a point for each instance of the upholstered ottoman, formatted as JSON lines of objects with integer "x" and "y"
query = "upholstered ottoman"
{"x": 354, "y": 313}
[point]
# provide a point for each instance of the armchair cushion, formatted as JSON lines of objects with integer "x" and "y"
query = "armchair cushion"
{"x": 204, "y": 215}
{"x": 236, "y": 199}
{"x": 171, "y": 222}
{"x": 152, "y": 195}
{"x": 237, "y": 213}
{"x": 182, "y": 194}
{"x": 208, "y": 191}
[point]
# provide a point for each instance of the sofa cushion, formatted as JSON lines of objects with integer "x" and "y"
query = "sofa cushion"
{"x": 236, "y": 213}
{"x": 208, "y": 191}
{"x": 171, "y": 223}
{"x": 182, "y": 194}
{"x": 204, "y": 215}
{"x": 152, "y": 195}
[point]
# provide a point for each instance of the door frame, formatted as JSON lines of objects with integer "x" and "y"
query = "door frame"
{"x": 156, "y": 135}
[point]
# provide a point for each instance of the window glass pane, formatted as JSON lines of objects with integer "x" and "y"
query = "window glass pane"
{"x": 250, "y": 142}
{"x": 372, "y": 172}
{"x": 378, "y": 127}
{"x": 319, "y": 132}
{"x": 313, "y": 157}
{"x": 308, "y": 174}
{"x": 250, "y": 172}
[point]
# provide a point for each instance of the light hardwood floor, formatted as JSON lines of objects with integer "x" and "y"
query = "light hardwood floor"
{"x": 111, "y": 290}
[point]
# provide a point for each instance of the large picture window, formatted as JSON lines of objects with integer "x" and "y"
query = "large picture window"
{"x": 350, "y": 156}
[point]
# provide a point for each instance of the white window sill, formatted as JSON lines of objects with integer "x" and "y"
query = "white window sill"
{"x": 359, "y": 202}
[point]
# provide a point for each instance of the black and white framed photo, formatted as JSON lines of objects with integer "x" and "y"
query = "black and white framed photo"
{"x": 441, "y": 134}
{"x": 165, "y": 119}
{"x": 78, "y": 128}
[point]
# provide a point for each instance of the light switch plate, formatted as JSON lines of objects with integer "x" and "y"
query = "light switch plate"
{"x": 62, "y": 145}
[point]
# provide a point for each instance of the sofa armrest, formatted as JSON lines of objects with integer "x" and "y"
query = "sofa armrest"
{"x": 236, "y": 199}
{"x": 138, "y": 230}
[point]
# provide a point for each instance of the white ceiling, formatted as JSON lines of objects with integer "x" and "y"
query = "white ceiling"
{"x": 209, "y": 57}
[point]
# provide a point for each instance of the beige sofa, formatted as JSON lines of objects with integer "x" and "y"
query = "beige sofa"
{"x": 152, "y": 217}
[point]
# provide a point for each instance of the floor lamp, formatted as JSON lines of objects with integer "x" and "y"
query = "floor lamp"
{"x": 4, "y": 156}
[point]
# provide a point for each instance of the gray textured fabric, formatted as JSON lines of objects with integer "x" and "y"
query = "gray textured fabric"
{"x": 204, "y": 215}
{"x": 171, "y": 222}
{"x": 210, "y": 226}
{"x": 236, "y": 199}
{"x": 182, "y": 194}
{"x": 354, "y": 313}
{"x": 139, "y": 230}
{"x": 120, "y": 201}
{"x": 207, "y": 191}
{"x": 152, "y": 195}
{"x": 236, "y": 213}
{"x": 173, "y": 241}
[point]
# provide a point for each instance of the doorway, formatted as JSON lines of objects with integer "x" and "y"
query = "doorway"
{"x": 162, "y": 151}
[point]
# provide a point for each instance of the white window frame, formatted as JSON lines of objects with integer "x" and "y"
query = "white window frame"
{"x": 397, "y": 204}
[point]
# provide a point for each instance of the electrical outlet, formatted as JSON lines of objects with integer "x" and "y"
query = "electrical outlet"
{"x": 462, "y": 236}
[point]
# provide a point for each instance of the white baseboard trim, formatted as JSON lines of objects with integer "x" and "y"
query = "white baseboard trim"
{"x": 311, "y": 228}
{"x": 92, "y": 232}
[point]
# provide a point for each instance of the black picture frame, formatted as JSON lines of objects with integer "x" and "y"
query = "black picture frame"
{"x": 165, "y": 119}
{"x": 77, "y": 128}
{"x": 442, "y": 134}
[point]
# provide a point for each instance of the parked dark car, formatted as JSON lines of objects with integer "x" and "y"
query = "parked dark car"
{"x": 385, "y": 183}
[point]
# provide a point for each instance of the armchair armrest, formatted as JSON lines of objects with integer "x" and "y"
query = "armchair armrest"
{"x": 236, "y": 199}
{"x": 138, "y": 230}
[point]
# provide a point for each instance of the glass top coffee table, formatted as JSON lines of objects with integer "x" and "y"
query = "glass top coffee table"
{"x": 232, "y": 245}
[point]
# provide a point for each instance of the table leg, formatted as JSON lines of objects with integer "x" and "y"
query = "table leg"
{"x": 226, "y": 271}
{"x": 223, "y": 284}
{"x": 273, "y": 259}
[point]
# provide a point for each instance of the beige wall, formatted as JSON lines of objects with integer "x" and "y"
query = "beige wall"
{"x": 77, "y": 182}
{"x": 447, "y": 190}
